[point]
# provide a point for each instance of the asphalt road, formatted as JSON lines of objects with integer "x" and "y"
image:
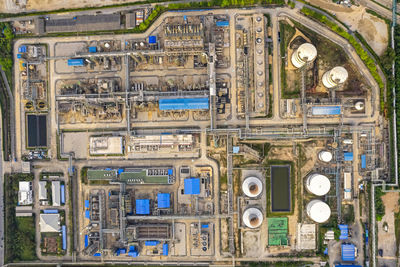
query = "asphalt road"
{"x": 1, "y": 203}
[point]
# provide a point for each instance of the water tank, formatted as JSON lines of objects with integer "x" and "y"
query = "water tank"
{"x": 318, "y": 184}
{"x": 334, "y": 77}
{"x": 359, "y": 105}
{"x": 325, "y": 156}
{"x": 252, "y": 217}
{"x": 318, "y": 211}
{"x": 306, "y": 53}
{"x": 252, "y": 187}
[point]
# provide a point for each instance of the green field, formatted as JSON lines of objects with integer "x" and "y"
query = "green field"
{"x": 277, "y": 231}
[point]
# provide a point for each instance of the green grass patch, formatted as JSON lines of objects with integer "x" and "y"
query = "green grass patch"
{"x": 379, "y": 207}
{"x": 348, "y": 214}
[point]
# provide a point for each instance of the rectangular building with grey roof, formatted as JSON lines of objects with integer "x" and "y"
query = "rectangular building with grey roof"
{"x": 85, "y": 23}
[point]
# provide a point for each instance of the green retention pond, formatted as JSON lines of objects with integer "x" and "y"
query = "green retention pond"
{"x": 280, "y": 188}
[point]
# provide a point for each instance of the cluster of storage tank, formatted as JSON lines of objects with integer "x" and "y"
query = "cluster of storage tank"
{"x": 306, "y": 54}
{"x": 319, "y": 185}
{"x": 252, "y": 188}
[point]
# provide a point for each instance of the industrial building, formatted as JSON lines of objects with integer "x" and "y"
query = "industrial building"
{"x": 25, "y": 193}
{"x": 49, "y": 223}
{"x": 107, "y": 145}
{"x": 184, "y": 104}
{"x": 42, "y": 190}
{"x": 347, "y": 186}
{"x": 56, "y": 193}
{"x": 84, "y": 23}
{"x": 192, "y": 186}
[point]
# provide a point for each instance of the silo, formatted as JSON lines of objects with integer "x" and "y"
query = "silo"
{"x": 318, "y": 184}
{"x": 252, "y": 186}
{"x": 306, "y": 53}
{"x": 325, "y": 156}
{"x": 334, "y": 77}
{"x": 318, "y": 211}
{"x": 252, "y": 217}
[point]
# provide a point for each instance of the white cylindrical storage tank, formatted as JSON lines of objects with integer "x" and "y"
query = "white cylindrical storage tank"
{"x": 252, "y": 217}
{"x": 359, "y": 105}
{"x": 252, "y": 187}
{"x": 318, "y": 184}
{"x": 334, "y": 77}
{"x": 325, "y": 156}
{"x": 304, "y": 54}
{"x": 318, "y": 211}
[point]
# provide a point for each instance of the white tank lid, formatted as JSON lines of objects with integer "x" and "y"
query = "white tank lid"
{"x": 318, "y": 211}
{"x": 307, "y": 52}
{"x": 325, "y": 156}
{"x": 339, "y": 74}
{"x": 252, "y": 217}
{"x": 252, "y": 186}
{"x": 318, "y": 184}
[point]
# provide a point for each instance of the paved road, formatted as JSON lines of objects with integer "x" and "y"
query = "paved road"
{"x": 1, "y": 201}
{"x": 12, "y": 112}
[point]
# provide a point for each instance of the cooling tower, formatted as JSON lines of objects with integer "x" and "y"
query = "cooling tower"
{"x": 318, "y": 184}
{"x": 304, "y": 54}
{"x": 318, "y": 211}
{"x": 252, "y": 187}
{"x": 334, "y": 77}
{"x": 252, "y": 217}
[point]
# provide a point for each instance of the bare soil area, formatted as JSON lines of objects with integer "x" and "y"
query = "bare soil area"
{"x": 8, "y": 6}
{"x": 373, "y": 29}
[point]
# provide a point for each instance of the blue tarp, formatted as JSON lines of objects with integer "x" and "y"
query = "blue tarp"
{"x": 142, "y": 206}
{"x": 363, "y": 161}
{"x": 152, "y": 39}
{"x": 325, "y": 110}
{"x": 92, "y": 49}
{"x": 170, "y": 171}
{"x": 165, "y": 249}
{"x": 86, "y": 241}
{"x": 348, "y": 252}
{"x": 64, "y": 237}
{"x": 50, "y": 211}
{"x": 183, "y": 103}
{"x": 19, "y": 56}
{"x": 151, "y": 243}
{"x": 348, "y": 156}
{"x": 97, "y": 254}
{"x": 326, "y": 251}
{"x": 344, "y": 231}
{"x": 163, "y": 200}
{"x": 62, "y": 188}
{"x": 75, "y": 62}
{"x": 204, "y": 225}
{"x": 235, "y": 149}
{"x": 86, "y": 203}
{"x": 22, "y": 49}
{"x": 120, "y": 171}
{"x": 87, "y": 214}
{"x": 192, "y": 186}
{"x": 224, "y": 23}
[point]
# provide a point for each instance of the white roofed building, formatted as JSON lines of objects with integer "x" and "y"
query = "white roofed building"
{"x": 55, "y": 193}
{"x": 49, "y": 223}
{"x": 25, "y": 193}
{"x": 42, "y": 190}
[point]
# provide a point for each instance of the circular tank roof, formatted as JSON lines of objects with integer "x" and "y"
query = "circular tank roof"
{"x": 318, "y": 211}
{"x": 318, "y": 184}
{"x": 252, "y": 186}
{"x": 252, "y": 217}
{"x": 325, "y": 156}
{"x": 339, "y": 74}
{"x": 305, "y": 53}
{"x": 359, "y": 105}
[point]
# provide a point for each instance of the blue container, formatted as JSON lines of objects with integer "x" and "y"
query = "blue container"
{"x": 50, "y": 211}
{"x": 92, "y": 49}
{"x": 76, "y": 62}
{"x": 62, "y": 188}
{"x": 64, "y": 237}
{"x": 152, "y": 39}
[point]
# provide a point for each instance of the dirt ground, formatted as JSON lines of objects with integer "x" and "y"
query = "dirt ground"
{"x": 373, "y": 29}
{"x": 36, "y": 5}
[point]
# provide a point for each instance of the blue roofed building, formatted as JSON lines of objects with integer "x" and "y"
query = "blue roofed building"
{"x": 163, "y": 200}
{"x": 87, "y": 214}
{"x": 183, "y": 103}
{"x": 325, "y": 110}
{"x": 192, "y": 186}
{"x": 151, "y": 243}
{"x": 152, "y": 39}
{"x": 363, "y": 161}
{"x": 348, "y": 252}
{"x": 76, "y": 62}
{"x": 223, "y": 23}
{"x": 64, "y": 237}
{"x": 92, "y": 49}
{"x": 142, "y": 206}
{"x": 344, "y": 231}
{"x": 348, "y": 156}
{"x": 165, "y": 249}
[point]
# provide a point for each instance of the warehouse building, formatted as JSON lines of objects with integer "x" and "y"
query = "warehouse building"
{"x": 184, "y": 103}
{"x": 84, "y": 23}
{"x": 55, "y": 193}
{"x": 192, "y": 186}
{"x": 25, "y": 193}
{"x": 49, "y": 223}
{"x": 42, "y": 190}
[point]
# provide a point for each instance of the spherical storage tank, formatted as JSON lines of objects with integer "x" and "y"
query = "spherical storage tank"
{"x": 304, "y": 54}
{"x": 318, "y": 184}
{"x": 252, "y": 187}
{"x": 252, "y": 217}
{"x": 325, "y": 156}
{"x": 318, "y": 211}
{"x": 335, "y": 77}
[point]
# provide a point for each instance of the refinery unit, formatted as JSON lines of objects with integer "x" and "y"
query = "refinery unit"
{"x": 182, "y": 143}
